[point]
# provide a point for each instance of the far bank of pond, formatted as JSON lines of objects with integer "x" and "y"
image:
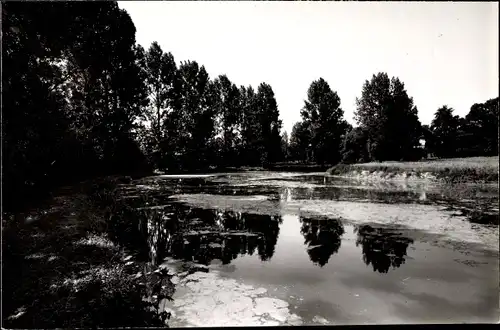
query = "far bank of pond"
{"x": 473, "y": 169}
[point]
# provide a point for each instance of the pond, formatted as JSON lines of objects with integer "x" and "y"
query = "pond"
{"x": 299, "y": 248}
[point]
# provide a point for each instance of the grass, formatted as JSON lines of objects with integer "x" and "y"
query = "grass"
{"x": 298, "y": 167}
{"x": 64, "y": 270}
{"x": 473, "y": 169}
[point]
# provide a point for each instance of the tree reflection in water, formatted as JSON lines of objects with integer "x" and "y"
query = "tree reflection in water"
{"x": 224, "y": 235}
{"x": 382, "y": 247}
{"x": 161, "y": 224}
{"x": 322, "y": 237}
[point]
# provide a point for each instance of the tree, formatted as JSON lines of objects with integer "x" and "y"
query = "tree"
{"x": 250, "y": 126}
{"x": 284, "y": 145}
{"x": 390, "y": 118}
{"x": 354, "y": 146}
{"x": 71, "y": 81}
{"x": 160, "y": 72}
{"x": 228, "y": 121}
{"x": 300, "y": 141}
{"x": 444, "y": 129}
{"x": 478, "y": 132}
{"x": 324, "y": 115}
{"x": 104, "y": 88}
{"x": 190, "y": 126}
{"x": 269, "y": 144}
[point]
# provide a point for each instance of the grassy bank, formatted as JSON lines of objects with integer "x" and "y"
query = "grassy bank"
{"x": 285, "y": 166}
{"x": 64, "y": 266}
{"x": 298, "y": 167}
{"x": 473, "y": 169}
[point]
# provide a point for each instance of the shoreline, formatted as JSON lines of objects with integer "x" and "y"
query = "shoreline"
{"x": 482, "y": 170}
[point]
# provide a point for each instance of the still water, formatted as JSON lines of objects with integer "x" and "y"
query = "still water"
{"x": 295, "y": 248}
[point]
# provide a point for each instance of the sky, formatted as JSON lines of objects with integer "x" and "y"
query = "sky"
{"x": 444, "y": 52}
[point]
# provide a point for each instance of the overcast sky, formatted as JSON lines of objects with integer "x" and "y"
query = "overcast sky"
{"x": 444, "y": 52}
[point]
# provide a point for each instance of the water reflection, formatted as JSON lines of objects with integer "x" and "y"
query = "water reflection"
{"x": 228, "y": 235}
{"x": 383, "y": 248}
{"x": 322, "y": 237}
{"x": 161, "y": 224}
{"x": 202, "y": 235}
{"x": 266, "y": 226}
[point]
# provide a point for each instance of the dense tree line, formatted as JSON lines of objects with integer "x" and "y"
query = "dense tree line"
{"x": 474, "y": 135}
{"x": 82, "y": 99}
{"x": 388, "y": 127}
{"x": 194, "y": 122}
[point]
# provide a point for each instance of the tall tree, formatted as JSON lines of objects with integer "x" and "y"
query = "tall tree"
{"x": 300, "y": 141}
{"x": 190, "y": 125}
{"x": 444, "y": 128}
{"x": 160, "y": 72}
{"x": 269, "y": 145}
{"x": 325, "y": 117}
{"x": 71, "y": 81}
{"x": 250, "y": 126}
{"x": 389, "y": 116}
{"x": 228, "y": 118}
{"x": 105, "y": 89}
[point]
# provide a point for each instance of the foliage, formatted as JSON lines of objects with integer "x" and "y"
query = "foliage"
{"x": 82, "y": 99}
{"x": 478, "y": 133}
{"x": 444, "y": 130}
{"x": 208, "y": 123}
{"x": 319, "y": 136}
{"x": 327, "y": 126}
{"x": 269, "y": 125}
{"x": 354, "y": 146}
{"x": 474, "y": 135}
{"x": 190, "y": 126}
{"x": 70, "y": 274}
{"x": 300, "y": 141}
{"x": 71, "y": 82}
{"x": 390, "y": 119}
{"x": 229, "y": 111}
{"x": 91, "y": 102}
{"x": 159, "y": 73}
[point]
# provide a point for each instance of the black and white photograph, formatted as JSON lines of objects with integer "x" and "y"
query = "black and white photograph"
{"x": 180, "y": 164}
